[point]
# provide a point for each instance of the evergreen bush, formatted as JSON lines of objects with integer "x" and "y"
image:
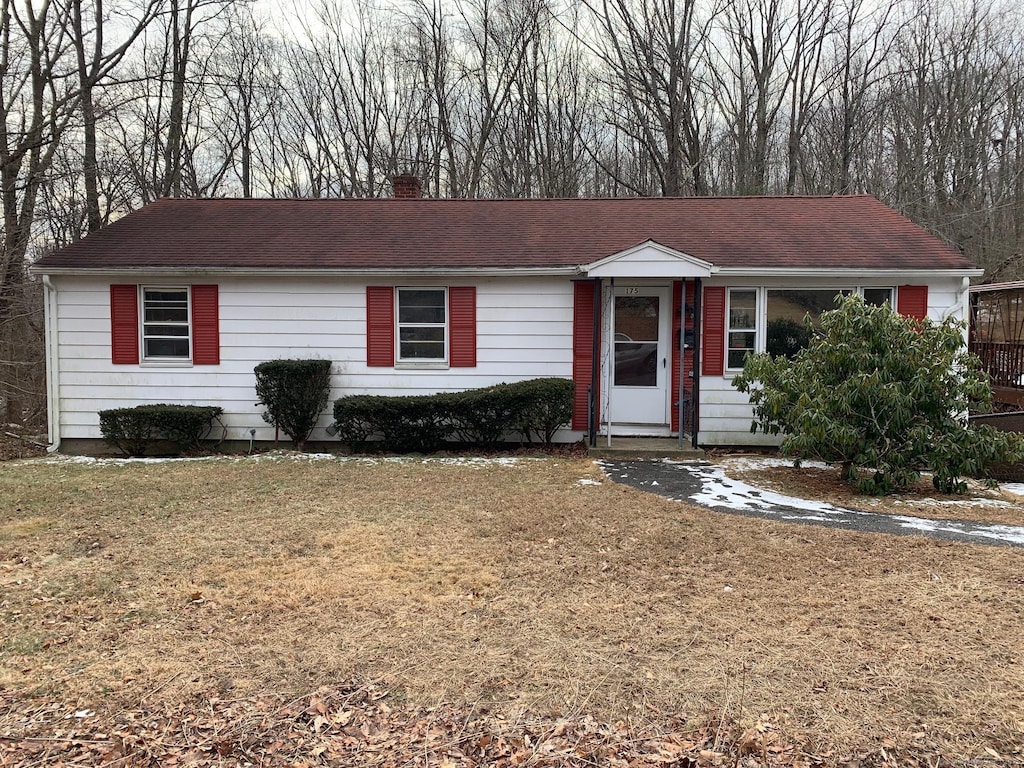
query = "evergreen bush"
{"x": 134, "y": 431}
{"x": 294, "y": 393}
{"x": 882, "y": 395}
{"x": 480, "y": 417}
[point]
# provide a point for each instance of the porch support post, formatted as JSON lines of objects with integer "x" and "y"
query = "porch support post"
{"x": 698, "y": 333}
{"x": 610, "y": 372}
{"x": 679, "y": 341}
{"x": 595, "y": 367}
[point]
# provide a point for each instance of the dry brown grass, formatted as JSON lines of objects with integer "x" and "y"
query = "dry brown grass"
{"x": 512, "y": 588}
{"x": 979, "y": 504}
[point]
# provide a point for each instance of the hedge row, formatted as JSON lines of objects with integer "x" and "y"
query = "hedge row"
{"x": 179, "y": 428}
{"x": 484, "y": 417}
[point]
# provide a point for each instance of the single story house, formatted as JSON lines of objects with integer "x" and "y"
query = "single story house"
{"x": 648, "y": 304}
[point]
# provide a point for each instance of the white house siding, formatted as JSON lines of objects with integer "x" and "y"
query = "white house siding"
{"x": 524, "y": 330}
{"x": 726, "y": 413}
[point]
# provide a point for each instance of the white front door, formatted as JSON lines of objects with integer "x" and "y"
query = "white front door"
{"x": 640, "y": 356}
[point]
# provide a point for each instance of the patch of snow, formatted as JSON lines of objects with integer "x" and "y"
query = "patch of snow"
{"x": 969, "y": 502}
{"x": 720, "y": 490}
{"x": 754, "y": 463}
{"x": 1014, "y": 533}
{"x": 283, "y": 455}
{"x": 1017, "y": 489}
{"x": 588, "y": 481}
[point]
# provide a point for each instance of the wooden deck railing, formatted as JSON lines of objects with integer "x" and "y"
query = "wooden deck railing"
{"x": 1003, "y": 360}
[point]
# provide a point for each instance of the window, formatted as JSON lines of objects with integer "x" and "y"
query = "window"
{"x": 435, "y": 327}
{"x": 422, "y": 324}
{"x": 742, "y": 319}
{"x": 786, "y": 333}
{"x": 877, "y": 297}
{"x": 165, "y": 324}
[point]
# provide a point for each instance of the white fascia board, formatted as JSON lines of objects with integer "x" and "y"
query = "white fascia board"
{"x": 847, "y": 273}
{"x": 311, "y": 272}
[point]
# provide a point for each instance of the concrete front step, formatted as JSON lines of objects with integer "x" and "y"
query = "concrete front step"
{"x": 644, "y": 448}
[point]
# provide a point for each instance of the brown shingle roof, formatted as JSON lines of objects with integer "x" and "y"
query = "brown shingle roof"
{"x": 851, "y": 232}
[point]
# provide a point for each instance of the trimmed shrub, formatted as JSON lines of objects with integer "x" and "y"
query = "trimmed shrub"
{"x": 425, "y": 423}
{"x": 295, "y": 393}
{"x": 483, "y": 416}
{"x": 133, "y": 431}
{"x": 408, "y": 424}
{"x": 549, "y": 407}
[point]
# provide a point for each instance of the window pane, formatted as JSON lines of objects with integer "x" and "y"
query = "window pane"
{"x": 741, "y": 340}
{"x": 166, "y": 330}
{"x": 421, "y": 333}
{"x": 737, "y": 356}
{"x": 742, "y": 309}
{"x": 786, "y": 332}
{"x": 170, "y": 296}
{"x": 166, "y": 314}
{"x": 636, "y": 318}
{"x": 421, "y": 350}
{"x": 417, "y": 306}
{"x": 876, "y": 297}
{"x": 636, "y": 365}
{"x": 167, "y": 348}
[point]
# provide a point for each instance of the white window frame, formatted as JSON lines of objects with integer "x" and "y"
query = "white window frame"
{"x": 143, "y": 336}
{"x": 425, "y": 362}
{"x": 890, "y": 288}
{"x": 729, "y": 330}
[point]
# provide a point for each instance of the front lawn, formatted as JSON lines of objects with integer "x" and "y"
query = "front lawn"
{"x": 517, "y": 588}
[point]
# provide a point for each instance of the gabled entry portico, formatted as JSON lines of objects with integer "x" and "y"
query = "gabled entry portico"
{"x": 645, "y": 315}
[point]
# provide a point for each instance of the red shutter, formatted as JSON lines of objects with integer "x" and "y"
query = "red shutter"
{"x": 912, "y": 301}
{"x": 380, "y": 325}
{"x": 713, "y": 346}
{"x": 583, "y": 350}
{"x": 205, "y": 325}
{"x": 124, "y": 324}
{"x": 462, "y": 326}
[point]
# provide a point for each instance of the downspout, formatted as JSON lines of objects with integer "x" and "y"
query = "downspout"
{"x": 595, "y": 367}
{"x": 962, "y": 303}
{"x": 52, "y": 364}
{"x": 698, "y": 334}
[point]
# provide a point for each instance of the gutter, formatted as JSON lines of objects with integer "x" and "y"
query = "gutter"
{"x": 52, "y": 364}
{"x": 852, "y": 273}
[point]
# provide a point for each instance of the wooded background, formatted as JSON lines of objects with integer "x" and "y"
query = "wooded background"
{"x": 110, "y": 104}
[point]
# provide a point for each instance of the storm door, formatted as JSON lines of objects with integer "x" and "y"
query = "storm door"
{"x": 640, "y": 356}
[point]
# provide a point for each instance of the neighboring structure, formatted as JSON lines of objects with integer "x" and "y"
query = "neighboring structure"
{"x": 649, "y": 305}
{"x": 997, "y": 337}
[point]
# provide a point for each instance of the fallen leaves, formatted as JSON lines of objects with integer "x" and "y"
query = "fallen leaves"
{"x": 355, "y": 725}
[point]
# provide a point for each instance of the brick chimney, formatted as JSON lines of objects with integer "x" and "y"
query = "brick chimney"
{"x": 407, "y": 186}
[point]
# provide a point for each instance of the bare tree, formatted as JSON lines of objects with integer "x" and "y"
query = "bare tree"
{"x": 651, "y": 51}
{"x": 94, "y": 64}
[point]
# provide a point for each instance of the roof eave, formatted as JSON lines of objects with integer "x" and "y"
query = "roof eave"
{"x": 849, "y": 272}
{"x": 180, "y": 271}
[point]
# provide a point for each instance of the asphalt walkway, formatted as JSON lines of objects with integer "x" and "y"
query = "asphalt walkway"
{"x": 707, "y": 485}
